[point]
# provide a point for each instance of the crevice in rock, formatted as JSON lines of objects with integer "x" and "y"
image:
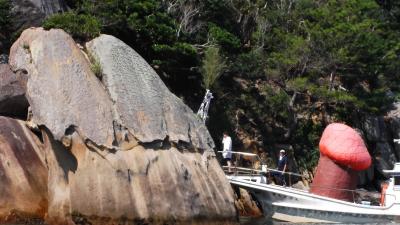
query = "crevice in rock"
{"x": 19, "y": 109}
{"x": 65, "y": 159}
{"x": 38, "y": 133}
{"x": 13, "y": 102}
{"x": 123, "y": 138}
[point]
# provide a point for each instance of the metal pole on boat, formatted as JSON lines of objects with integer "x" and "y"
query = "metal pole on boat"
{"x": 236, "y": 162}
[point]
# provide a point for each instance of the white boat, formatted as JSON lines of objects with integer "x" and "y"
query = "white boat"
{"x": 293, "y": 205}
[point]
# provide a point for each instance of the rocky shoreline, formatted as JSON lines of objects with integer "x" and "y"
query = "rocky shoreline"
{"x": 108, "y": 146}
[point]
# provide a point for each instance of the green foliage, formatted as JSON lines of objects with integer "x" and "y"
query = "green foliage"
{"x": 335, "y": 57}
{"x": 183, "y": 52}
{"x": 225, "y": 39}
{"x": 5, "y": 8}
{"x": 305, "y": 142}
{"x": 299, "y": 84}
{"x": 213, "y": 66}
{"x": 79, "y": 26}
{"x": 249, "y": 65}
{"x": 155, "y": 26}
{"x": 277, "y": 100}
{"x": 95, "y": 66}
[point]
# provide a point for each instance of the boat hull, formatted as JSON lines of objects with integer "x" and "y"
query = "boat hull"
{"x": 308, "y": 215}
{"x": 292, "y": 205}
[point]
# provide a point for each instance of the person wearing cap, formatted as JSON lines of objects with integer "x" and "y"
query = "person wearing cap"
{"x": 282, "y": 163}
{"x": 282, "y": 166}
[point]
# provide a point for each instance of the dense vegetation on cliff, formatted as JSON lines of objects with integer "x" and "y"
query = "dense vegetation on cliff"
{"x": 287, "y": 67}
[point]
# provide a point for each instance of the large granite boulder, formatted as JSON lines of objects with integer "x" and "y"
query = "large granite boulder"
{"x": 154, "y": 186}
{"x": 126, "y": 151}
{"x": 145, "y": 105}
{"x": 12, "y": 93}
{"x": 62, "y": 90}
{"x": 23, "y": 173}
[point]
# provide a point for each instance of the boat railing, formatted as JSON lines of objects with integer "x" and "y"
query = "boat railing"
{"x": 354, "y": 193}
{"x": 237, "y": 170}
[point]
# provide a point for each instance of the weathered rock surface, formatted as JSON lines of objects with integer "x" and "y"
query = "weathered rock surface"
{"x": 136, "y": 101}
{"x": 246, "y": 205}
{"x": 157, "y": 186}
{"x": 12, "y": 93}
{"x": 25, "y": 14}
{"x": 23, "y": 173}
{"x": 393, "y": 119}
{"x": 62, "y": 90}
{"x": 28, "y": 13}
{"x": 49, "y": 7}
{"x": 3, "y": 58}
{"x": 375, "y": 129}
{"x": 379, "y": 132}
{"x": 384, "y": 155}
{"x": 145, "y": 105}
{"x": 109, "y": 163}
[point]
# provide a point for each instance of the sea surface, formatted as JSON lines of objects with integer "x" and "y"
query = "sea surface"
{"x": 242, "y": 220}
{"x": 265, "y": 221}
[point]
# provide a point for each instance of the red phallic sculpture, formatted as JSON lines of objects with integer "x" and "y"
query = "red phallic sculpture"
{"x": 342, "y": 154}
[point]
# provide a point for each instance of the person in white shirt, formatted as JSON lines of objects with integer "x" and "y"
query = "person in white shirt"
{"x": 227, "y": 148}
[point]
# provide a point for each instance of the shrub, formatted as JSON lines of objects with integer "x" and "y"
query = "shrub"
{"x": 79, "y": 26}
{"x": 226, "y": 40}
{"x": 5, "y": 8}
{"x": 250, "y": 65}
{"x": 95, "y": 66}
{"x": 213, "y": 66}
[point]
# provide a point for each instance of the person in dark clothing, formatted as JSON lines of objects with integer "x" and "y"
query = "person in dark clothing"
{"x": 282, "y": 163}
{"x": 282, "y": 166}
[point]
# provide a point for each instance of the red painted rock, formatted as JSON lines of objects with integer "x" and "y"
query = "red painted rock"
{"x": 344, "y": 145}
{"x": 343, "y": 153}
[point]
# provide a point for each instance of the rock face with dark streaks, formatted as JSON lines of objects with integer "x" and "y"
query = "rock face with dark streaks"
{"x": 23, "y": 172}
{"x": 28, "y": 13}
{"x": 120, "y": 150}
{"x": 49, "y": 7}
{"x": 393, "y": 120}
{"x": 379, "y": 132}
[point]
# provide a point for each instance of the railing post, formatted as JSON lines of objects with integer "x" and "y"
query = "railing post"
{"x": 252, "y": 167}
{"x": 235, "y": 166}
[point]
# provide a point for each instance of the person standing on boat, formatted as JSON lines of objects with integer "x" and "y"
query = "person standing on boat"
{"x": 282, "y": 166}
{"x": 227, "y": 150}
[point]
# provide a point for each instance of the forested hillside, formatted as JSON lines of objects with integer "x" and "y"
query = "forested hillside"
{"x": 283, "y": 69}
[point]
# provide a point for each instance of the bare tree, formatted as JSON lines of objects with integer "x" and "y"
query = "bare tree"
{"x": 186, "y": 12}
